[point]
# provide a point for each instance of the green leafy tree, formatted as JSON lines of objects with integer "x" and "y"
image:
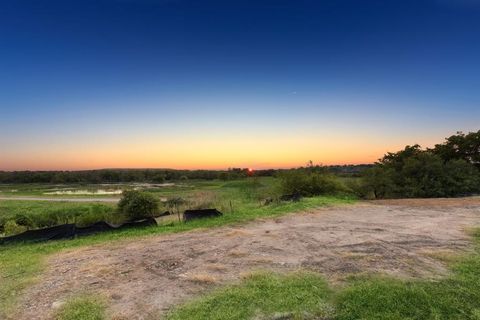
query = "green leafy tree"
{"x": 414, "y": 173}
{"x": 379, "y": 182}
{"x": 462, "y": 178}
{"x": 460, "y": 147}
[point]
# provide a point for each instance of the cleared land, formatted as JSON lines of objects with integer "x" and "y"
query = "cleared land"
{"x": 403, "y": 238}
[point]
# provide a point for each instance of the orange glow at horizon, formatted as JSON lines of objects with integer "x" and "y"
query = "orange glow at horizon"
{"x": 200, "y": 153}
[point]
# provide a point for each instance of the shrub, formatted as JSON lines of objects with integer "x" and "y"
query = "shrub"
{"x": 462, "y": 178}
{"x": 23, "y": 220}
{"x": 11, "y": 228}
{"x": 358, "y": 187}
{"x": 417, "y": 173}
{"x": 460, "y": 146}
{"x": 138, "y": 205}
{"x": 175, "y": 203}
{"x": 308, "y": 183}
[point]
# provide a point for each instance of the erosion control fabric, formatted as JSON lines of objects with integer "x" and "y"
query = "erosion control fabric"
{"x": 69, "y": 231}
{"x": 200, "y": 213}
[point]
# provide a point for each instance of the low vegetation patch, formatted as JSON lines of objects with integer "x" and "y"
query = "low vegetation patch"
{"x": 449, "y": 169}
{"x": 17, "y": 216}
{"x": 310, "y": 181}
{"x": 138, "y": 205}
{"x": 85, "y": 307}
{"x": 263, "y": 296}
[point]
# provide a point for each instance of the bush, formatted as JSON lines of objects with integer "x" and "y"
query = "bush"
{"x": 462, "y": 178}
{"x": 357, "y": 186}
{"x": 306, "y": 183}
{"x": 12, "y": 228}
{"x": 417, "y": 173}
{"x": 23, "y": 220}
{"x": 461, "y": 146}
{"x": 138, "y": 205}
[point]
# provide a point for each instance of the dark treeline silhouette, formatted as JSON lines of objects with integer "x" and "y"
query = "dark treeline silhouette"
{"x": 148, "y": 175}
{"x": 119, "y": 175}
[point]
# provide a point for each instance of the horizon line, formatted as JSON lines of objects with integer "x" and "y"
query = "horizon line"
{"x": 185, "y": 169}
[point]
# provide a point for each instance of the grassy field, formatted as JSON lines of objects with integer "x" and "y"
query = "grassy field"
{"x": 299, "y": 295}
{"x": 45, "y": 214}
{"x": 226, "y": 196}
{"x": 111, "y": 190}
{"x": 240, "y": 201}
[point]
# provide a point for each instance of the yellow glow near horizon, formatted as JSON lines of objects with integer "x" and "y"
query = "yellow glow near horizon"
{"x": 202, "y": 153}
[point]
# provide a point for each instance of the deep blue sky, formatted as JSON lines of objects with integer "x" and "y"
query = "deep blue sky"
{"x": 185, "y": 78}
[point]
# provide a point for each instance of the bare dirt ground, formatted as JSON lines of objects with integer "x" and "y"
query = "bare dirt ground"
{"x": 143, "y": 278}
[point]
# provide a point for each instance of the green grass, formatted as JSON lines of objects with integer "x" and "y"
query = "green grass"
{"x": 82, "y": 308}
{"x": 43, "y": 214}
{"x": 301, "y": 295}
{"x": 39, "y": 190}
{"x": 305, "y": 296}
{"x": 43, "y": 190}
{"x": 262, "y": 295}
{"x": 223, "y": 195}
{"x": 242, "y": 197}
{"x": 21, "y": 263}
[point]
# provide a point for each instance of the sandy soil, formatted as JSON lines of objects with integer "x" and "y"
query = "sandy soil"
{"x": 143, "y": 278}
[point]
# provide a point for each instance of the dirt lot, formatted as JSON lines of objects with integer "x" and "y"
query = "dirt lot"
{"x": 144, "y": 278}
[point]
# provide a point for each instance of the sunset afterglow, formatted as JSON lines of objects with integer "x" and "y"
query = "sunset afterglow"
{"x": 186, "y": 84}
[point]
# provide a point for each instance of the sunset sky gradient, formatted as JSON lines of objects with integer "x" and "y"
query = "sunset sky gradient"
{"x": 217, "y": 84}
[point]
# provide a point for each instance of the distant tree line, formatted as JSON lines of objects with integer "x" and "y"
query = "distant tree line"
{"x": 449, "y": 169}
{"x": 145, "y": 175}
{"x": 115, "y": 175}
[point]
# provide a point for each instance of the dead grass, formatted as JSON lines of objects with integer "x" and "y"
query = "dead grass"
{"x": 261, "y": 260}
{"x": 238, "y": 233}
{"x": 238, "y": 253}
{"x": 202, "y": 278}
{"x": 446, "y": 256}
{"x": 247, "y": 274}
{"x": 217, "y": 267}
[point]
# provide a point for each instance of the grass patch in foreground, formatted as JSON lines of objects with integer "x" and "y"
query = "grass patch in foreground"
{"x": 82, "y": 308}
{"x": 262, "y": 296}
{"x": 306, "y": 296}
{"x": 21, "y": 263}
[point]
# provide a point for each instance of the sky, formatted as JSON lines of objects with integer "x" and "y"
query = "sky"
{"x": 217, "y": 84}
